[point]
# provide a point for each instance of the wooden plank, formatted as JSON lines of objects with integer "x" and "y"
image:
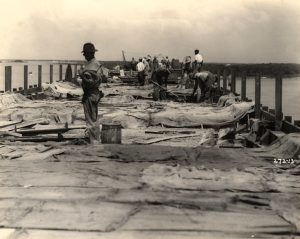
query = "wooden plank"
{"x": 49, "y": 130}
{"x": 64, "y": 215}
{"x": 10, "y": 123}
{"x": 25, "y": 124}
{"x": 278, "y": 102}
{"x": 169, "y": 132}
{"x": 257, "y": 95}
{"x": 151, "y": 218}
{"x": 8, "y": 78}
{"x": 152, "y": 141}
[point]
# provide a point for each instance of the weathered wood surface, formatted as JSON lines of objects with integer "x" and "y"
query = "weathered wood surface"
{"x": 134, "y": 191}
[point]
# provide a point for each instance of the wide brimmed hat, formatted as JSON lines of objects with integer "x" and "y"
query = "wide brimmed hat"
{"x": 89, "y": 47}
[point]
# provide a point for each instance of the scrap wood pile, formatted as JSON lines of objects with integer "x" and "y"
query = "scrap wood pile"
{"x": 24, "y": 119}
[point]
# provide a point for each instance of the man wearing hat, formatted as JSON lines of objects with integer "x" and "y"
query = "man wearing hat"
{"x": 90, "y": 79}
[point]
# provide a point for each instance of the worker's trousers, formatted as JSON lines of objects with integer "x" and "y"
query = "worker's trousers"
{"x": 90, "y": 107}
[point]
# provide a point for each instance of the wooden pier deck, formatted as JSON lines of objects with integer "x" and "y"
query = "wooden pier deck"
{"x": 130, "y": 191}
{"x": 64, "y": 190}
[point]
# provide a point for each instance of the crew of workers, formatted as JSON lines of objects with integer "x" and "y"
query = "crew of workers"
{"x": 148, "y": 71}
{"x": 157, "y": 72}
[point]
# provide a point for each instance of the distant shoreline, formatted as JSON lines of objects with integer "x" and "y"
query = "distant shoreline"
{"x": 265, "y": 69}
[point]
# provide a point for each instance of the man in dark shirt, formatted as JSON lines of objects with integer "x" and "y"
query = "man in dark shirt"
{"x": 160, "y": 78}
{"x": 91, "y": 76}
{"x": 133, "y": 64}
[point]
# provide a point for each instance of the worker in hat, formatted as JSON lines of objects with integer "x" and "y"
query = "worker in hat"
{"x": 90, "y": 78}
{"x": 187, "y": 70}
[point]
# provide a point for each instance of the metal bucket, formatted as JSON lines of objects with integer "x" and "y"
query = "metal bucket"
{"x": 111, "y": 133}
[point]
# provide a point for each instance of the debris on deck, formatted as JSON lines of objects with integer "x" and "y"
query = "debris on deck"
{"x": 183, "y": 170}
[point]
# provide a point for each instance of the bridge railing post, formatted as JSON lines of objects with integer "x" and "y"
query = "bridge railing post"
{"x": 243, "y": 86}
{"x": 257, "y": 95}
{"x": 278, "y": 102}
{"x": 8, "y": 78}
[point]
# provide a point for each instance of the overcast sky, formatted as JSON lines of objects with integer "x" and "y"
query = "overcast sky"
{"x": 246, "y": 31}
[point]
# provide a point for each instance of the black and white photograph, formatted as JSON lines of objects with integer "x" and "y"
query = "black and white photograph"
{"x": 149, "y": 119}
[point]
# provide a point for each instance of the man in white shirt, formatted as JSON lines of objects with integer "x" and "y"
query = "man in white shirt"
{"x": 140, "y": 67}
{"x": 198, "y": 61}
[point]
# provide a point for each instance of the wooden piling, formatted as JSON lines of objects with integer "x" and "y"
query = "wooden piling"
{"x": 218, "y": 80}
{"x": 278, "y": 102}
{"x": 39, "y": 77}
{"x": 51, "y": 74}
{"x": 8, "y": 78}
{"x": 68, "y": 74}
{"x": 25, "y": 80}
{"x": 75, "y": 70}
{"x": 243, "y": 86}
{"x": 224, "y": 82}
{"x": 60, "y": 72}
{"x": 233, "y": 81}
{"x": 257, "y": 95}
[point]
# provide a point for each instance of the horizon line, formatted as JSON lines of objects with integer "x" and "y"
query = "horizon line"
{"x": 58, "y": 60}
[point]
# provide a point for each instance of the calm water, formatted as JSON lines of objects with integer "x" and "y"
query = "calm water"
{"x": 291, "y": 86}
{"x": 290, "y": 93}
{"x": 18, "y": 73}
